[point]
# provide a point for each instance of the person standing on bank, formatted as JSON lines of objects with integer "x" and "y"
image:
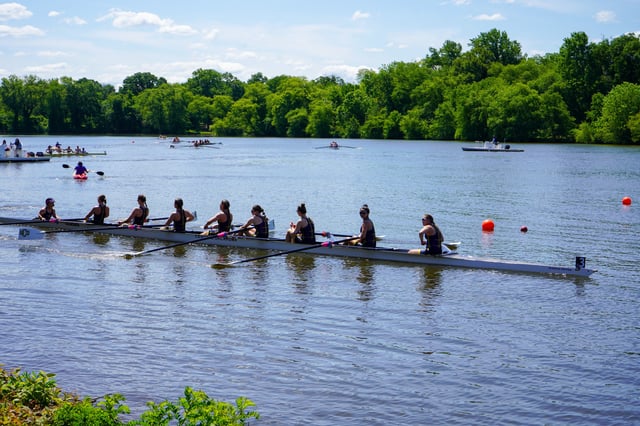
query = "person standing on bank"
{"x": 99, "y": 212}
{"x": 180, "y": 217}
{"x": 303, "y": 231}
{"x": 430, "y": 236}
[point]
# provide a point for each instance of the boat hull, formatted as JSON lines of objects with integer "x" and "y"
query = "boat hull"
{"x": 23, "y": 159}
{"x": 74, "y": 154}
{"x": 478, "y": 149}
{"x": 387, "y": 254}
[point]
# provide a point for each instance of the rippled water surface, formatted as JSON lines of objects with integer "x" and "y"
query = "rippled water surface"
{"x": 329, "y": 341}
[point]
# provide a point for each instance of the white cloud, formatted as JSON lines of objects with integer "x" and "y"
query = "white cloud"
{"x": 210, "y": 34}
{"x": 177, "y": 29}
{"x": 10, "y": 11}
{"x": 126, "y": 19}
{"x": 47, "y": 68}
{"x": 485, "y": 17}
{"x": 357, "y": 15}
{"x": 27, "y": 30}
{"x": 347, "y": 72}
{"x": 53, "y": 14}
{"x": 52, "y": 53}
{"x": 605, "y": 16}
{"x": 75, "y": 21}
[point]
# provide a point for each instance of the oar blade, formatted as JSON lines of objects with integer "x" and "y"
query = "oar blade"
{"x": 222, "y": 265}
{"x": 100, "y": 173}
{"x": 30, "y": 234}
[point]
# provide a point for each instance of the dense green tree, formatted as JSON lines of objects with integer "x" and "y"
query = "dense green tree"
{"x": 619, "y": 107}
{"x": 580, "y": 72}
{"x": 84, "y": 104}
{"x": 443, "y": 57}
{"x": 120, "y": 114}
{"x": 55, "y": 107}
{"x": 141, "y": 81}
{"x": 321, "y": 119}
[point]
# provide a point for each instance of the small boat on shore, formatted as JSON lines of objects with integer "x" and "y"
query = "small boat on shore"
{"x": 386, "y": 254}
{"x": 491, "y": 146}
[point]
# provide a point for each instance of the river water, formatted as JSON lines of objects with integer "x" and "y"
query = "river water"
{"x": 329, "y": 341}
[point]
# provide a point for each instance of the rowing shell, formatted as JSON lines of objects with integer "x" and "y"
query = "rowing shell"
{"x": 388, "y": 254}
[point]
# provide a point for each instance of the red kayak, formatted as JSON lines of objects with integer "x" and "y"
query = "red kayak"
{"x": 81, "y": 176}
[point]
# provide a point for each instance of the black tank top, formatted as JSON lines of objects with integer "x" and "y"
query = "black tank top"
{"x": 180, "y": 224}
{"x": 98, "y": 219}
{"x": 308, "y": 234}
{"x": 226, "y": 225}
{"x": 140, "y": 219}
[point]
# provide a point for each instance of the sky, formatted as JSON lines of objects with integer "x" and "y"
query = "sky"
{"x": 109, "y": 40}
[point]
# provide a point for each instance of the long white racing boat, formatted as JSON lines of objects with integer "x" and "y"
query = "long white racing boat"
{"x": 388, "y": 254}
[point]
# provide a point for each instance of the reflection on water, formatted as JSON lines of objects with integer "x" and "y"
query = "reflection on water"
{"x": 365, "y": 277}
{"x": 180, "y": 251}
{"x": 303, "y": 267}
{"x": 430, "y": 286}
{"x": 101, "y": 239}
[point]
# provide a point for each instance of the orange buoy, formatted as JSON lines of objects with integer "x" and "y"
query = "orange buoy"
{"x": 523, "y": 228}
{"x": 626, "y": 201}
{"x": 488, "y": 225}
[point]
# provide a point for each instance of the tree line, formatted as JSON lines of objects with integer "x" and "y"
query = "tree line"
{"x": 586, "y": 92}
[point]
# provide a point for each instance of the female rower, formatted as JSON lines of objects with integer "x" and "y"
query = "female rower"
{"x": 304, "y": 230}
{"x": 99, "y": 212}
{"x": 180, "y": 217}
{"x": 259, "y": 223}
{"x": 223, "y": 218}
{"x": 367, "y": 237}
{"x": 430, "y": 236}
{"x": 139, "y": 214}
{"x": 48, "y": 212}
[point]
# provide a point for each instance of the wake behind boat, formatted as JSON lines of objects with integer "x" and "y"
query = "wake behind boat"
{"x": 387, "y": 254}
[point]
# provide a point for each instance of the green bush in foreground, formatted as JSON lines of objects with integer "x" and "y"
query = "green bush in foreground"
{"x": 35, "y": 399}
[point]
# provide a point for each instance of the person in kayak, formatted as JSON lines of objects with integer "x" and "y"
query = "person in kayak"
{"x": 80, "y": 169}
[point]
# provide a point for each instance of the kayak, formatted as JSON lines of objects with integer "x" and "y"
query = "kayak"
{"x": 82, "y": 176}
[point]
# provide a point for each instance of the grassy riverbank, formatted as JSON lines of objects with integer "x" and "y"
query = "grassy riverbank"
{"x": 34, "y": 398}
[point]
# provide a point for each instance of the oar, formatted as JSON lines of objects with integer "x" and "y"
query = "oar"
{"x": 184, "y": 243}
{"x": 66, "y": 166}
{"x": 26, "y": 222}
{"x": 33, "y": 234}
{"x": 311, "y": 247}
{"x": 329, "y": 235}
